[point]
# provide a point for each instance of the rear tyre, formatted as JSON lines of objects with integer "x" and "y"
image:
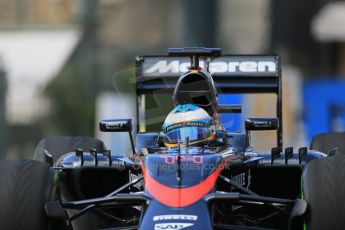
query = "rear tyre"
{"x": 327, "y": 141}
{"x": 24, "y": 190}
{"x": 323, "y": 188}
{"x": 58, "y": 146}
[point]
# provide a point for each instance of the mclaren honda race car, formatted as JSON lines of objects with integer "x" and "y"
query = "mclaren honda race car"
{"x": 170, "y": 181}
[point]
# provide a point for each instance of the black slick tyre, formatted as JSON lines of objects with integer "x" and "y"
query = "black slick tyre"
{"x": 323, "y": 188}
{"x": 325, "y": 142}
{"x": 23, "y": 193}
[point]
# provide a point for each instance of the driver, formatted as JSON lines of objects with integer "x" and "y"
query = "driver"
{"x": 193, "y": 122}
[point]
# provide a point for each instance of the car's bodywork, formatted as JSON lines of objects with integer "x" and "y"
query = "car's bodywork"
{"x": 224, "y": 187}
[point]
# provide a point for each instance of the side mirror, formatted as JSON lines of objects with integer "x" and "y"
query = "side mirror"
{"x": 116, "y": 125}
{"x": 252, "y": 124}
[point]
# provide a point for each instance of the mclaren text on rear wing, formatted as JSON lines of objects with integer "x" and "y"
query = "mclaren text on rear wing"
{"x": 231, "y": 74}
{"x": 225, "y": 65}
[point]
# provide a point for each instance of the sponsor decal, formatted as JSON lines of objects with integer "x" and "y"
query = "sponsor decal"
{"x": 186, "y": 124}
{"x": 173, "y": 159}
{"x": 175, "y": 66}
{"x": 172, "y": 226}
{"x": 175, "y": 217}
{"x": 115, "y": 125}
{"x": 262, "y": 122}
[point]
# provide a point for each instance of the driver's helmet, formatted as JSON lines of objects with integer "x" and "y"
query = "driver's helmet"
{"x": 188, "y": 121}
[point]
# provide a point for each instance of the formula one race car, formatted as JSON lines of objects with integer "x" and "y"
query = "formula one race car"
{"x": 172, "y": 180}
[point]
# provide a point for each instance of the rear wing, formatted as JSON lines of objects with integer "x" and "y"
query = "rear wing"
{"x": 231, "y": 74}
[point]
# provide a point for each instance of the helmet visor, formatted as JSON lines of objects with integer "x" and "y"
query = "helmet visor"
{"x": 179, "y": 135}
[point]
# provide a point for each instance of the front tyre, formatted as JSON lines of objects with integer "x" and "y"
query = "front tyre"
{"x": 323, "y": 187}
{"x": 24, "y": 189}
